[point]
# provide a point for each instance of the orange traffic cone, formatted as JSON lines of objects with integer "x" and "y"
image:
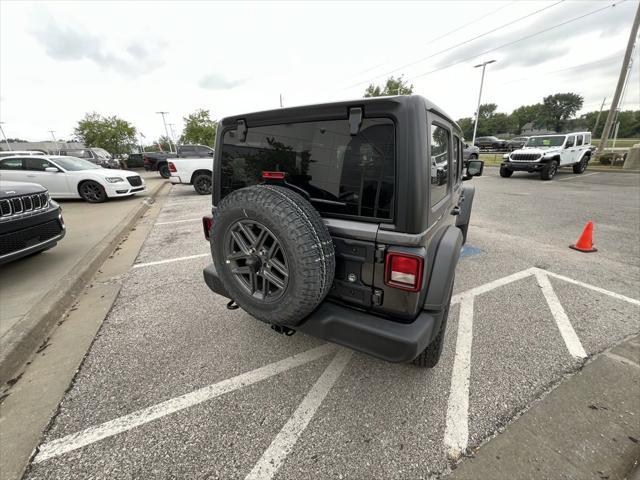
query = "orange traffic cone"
{"x": 585, "y": 242}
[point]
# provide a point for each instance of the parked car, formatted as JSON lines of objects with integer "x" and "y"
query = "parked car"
{"x": 99, "y": 156}
{"x": 516, "y": 143}
{"x": 30, "y": 222}
{"x": 134, "y": 160}
{"x": 12, "y": 153}
{"x": 490, "y": 143}
{"x": 318, "y": 222}
{"x": 157, "y": 161}
{"x": 71, "y": 177}
{"x": 547, "y": 153}
{"x": 192, "y": 171}
{"x": 470, "y": 152}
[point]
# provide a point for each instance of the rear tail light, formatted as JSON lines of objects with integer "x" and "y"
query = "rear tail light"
{"x": 172, "y": 167}
{"x": 273, "y": 175}
{"x": 207, "y": 223}
{"x": 404, "y": 271}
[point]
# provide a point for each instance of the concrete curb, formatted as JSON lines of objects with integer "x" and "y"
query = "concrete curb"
{"x": 21, "y": 341}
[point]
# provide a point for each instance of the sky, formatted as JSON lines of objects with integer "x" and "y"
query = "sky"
{"x": 60, "y": 60}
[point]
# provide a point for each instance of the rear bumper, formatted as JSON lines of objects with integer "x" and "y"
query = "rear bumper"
{"x": 175, "y": 179}
{"x": 376, "y": 336}
{"x": 523, "y": 166}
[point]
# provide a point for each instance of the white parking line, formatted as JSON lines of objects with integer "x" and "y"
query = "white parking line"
{"x": 592, "y": 287}
{"x": 114, "y": 427}
{"x": 487, "y": 287}
{"x": 180, "y": 221}
{"x": 170, "y": 260}
{"x": 456, "y": 433}
{"x": 569, "y": 336}
{"x": 275, "y": 454}
{"x": 620, "y": 359}
{"x": 577, "y": 176}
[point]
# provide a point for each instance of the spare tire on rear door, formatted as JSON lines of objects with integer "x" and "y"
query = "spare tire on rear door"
{"x": 273, "y": 253}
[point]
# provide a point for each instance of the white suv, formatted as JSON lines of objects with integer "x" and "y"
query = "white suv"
{"x": 547, "y": 153}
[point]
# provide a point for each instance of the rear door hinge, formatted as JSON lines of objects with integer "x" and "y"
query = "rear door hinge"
{"x": 376, "y": 298}
{"x": 380, "y": 254}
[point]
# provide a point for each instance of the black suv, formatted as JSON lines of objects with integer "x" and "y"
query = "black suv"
{"x": 344, "y": 221}
{"x": 30, "y": 221}
{"x": 490, "y": 143}
{"x": 158, "y": 161}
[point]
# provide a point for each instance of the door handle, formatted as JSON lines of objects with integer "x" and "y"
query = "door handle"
{"x": 31, "y": 176}
{"x": 455, "y": 210}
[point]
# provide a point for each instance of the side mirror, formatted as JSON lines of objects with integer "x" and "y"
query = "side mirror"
{"x": 474, "y": 169}
{"x": 51, "y": 169}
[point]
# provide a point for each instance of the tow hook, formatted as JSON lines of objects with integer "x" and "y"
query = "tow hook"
{"x": 232, "y": 305}
{"x": 283, "y": 330}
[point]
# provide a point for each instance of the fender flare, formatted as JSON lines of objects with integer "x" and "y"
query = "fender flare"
{"x": 443, "y": 271}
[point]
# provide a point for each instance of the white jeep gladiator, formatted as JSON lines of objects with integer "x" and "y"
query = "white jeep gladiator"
{"x": 547, "y": 153}
{"x": 192, "y": 171}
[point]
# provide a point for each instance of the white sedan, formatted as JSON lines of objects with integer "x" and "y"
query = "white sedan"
{"x": 71, "y": 177}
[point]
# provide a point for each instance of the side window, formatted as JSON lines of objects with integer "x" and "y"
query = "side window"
{"x": 456, "y": 158}
{"x": 439, "y": 163}
{"x": 11, "y": 164}
{"x": 187, "y": 150}
{"x": 35, "y": 163}
{"x": 580, "y": 140}
{"x": 570, "y": 141}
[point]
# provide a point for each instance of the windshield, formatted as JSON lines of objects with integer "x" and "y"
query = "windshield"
{"x": 101, "y": 153}
{"x": 74, "y": 164}
{"x": 551, "y": 141}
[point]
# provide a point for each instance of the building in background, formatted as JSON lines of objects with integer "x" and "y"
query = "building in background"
{"x": 49, "y": 147}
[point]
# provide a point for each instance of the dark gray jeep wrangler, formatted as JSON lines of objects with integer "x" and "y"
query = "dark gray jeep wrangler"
{"x": 344, "y": 221}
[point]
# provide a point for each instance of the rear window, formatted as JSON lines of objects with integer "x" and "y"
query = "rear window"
{"x": 342, "y": 174}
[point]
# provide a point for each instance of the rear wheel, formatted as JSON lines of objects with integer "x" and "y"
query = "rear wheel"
{"x": 163, "y": 170}
{"x": 581, "y": 166}
{"x": 549, "y": 170}
{"x": 92, "y": 192}
{"x": 505, "y": 172}
{"x": 202, "y": 183}
{"x": 430, "y": 356}
{"x": 273, "y": 253}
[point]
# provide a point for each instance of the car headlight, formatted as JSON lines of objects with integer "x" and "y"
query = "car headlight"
{"x": 114, "y": 179}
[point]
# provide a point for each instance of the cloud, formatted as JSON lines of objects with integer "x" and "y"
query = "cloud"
{"x": 548, "y": 45}
{"x": 217, "y": 82}
{"x": 69, "y": 43}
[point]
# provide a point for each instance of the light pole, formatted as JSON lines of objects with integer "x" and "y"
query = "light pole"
{"x": 166, "y": 130}
{"x": 4, "y": 136}
{"x": 475, "y": 127}
{"x": 173, "y": 134}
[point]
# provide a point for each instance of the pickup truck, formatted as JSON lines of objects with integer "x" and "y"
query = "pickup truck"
{"x": 192, "y": 171}
{"x": 157, "y": 161}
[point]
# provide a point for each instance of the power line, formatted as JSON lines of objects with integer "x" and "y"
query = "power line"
{"x": 517, "y": 41}
{"x": 475, "y": 20}
{"x": 410, "y": 64}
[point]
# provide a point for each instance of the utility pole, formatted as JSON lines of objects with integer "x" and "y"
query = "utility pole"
{"x": 280, "y": 100}
{"x": 4, "y": 136}
{"x": 166, "y": 130}
{"x": 53, "y": 135}
{"x": 475, "y": 127}
{"x": 624, "y": 71}
{"x": 595, "y": 127}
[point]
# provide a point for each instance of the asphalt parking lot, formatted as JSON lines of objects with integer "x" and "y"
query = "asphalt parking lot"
{"x": 175, "y": 385}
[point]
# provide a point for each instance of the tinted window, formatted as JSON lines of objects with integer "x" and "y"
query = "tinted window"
{"x": 342, "y": 174}
{"x": 570, "y": 142}
{"x": 439, "y": 161}
{"x": 77, "y": 153}
{"x": 186, "y": 149}
{"x": 202, "y": 150}
{"x": 11, "y": 164}
{"x": 580, "y": 140}
{"x": 35, "y": 163}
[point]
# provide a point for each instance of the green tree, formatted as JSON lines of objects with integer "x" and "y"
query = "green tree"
{"x": 523, "y": 115}
{"x": 199, "y": 128}
{"x": 394, "y": 86}
{"x": 466, "y": 125}
{"x": 113, "y": 134}
{"x": 558, "y": 108}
